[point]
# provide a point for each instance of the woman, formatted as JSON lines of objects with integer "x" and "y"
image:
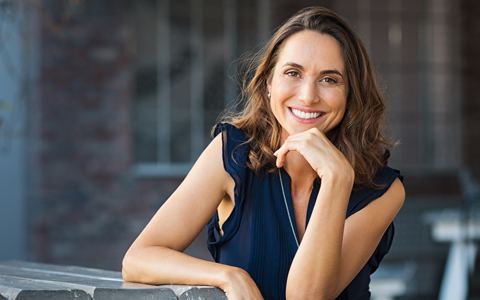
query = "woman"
{"x": 306, "y": 149}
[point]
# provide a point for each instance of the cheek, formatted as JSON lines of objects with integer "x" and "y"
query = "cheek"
{"x": 336, "y": 99}
{"x": 275, "y": 107}
{"x": 337, "y": 102}
{"x": 286, "y": 87}
{"x": 279, "y": 93}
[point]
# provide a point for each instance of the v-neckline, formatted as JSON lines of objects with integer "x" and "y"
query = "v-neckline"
{"x": 287, "y": 180}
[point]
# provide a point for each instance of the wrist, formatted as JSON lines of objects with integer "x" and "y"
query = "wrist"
{"x": 227, "y": 276}
{"x": 345, "y": 176}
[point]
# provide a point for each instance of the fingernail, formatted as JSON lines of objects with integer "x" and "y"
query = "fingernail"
{"x": 275, "y": 153}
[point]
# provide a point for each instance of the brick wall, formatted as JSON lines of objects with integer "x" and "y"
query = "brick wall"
{"x": 84, "y": 206}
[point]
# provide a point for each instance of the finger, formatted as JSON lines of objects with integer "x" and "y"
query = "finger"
{"x": 306, "y": 145}
{"x": 281, "y": 155}
{"x": 293, "y": 144}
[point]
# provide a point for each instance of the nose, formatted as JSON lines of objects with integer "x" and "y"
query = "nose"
{"x": 309, "y": 93}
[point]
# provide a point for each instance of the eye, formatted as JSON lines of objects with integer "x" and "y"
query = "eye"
{"x": 329, "y": 80}
{"x": 293, "y": 74}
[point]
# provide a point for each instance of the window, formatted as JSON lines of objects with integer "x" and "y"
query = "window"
{"x": 186, "y": 49}
{"x": 184, "y": 57}
{"x": 180, "y": 91}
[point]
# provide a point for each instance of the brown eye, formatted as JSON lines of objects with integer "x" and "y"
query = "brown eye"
{"x": 293, "y": 74}
{"x": 329, "y": 80}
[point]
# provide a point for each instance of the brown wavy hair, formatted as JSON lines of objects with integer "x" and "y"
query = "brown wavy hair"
{"x": 358, "y": 136}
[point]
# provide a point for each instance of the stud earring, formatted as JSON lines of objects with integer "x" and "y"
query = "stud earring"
{"x": 269, "y": 95}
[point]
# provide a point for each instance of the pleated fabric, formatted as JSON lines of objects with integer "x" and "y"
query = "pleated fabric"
{"x": 258, "y": 237}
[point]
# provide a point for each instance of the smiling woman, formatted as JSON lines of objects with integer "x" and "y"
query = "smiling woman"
{"x": 308, "y": 88}
{"x": 295, "y": 188}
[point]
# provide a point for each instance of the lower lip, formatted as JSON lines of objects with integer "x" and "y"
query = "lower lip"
{"x": 305, "y": 121}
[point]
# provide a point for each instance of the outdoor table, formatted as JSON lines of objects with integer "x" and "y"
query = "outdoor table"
{"x": 462, "y": 230}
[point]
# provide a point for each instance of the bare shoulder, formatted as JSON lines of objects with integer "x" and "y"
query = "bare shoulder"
{"x": 381, "y": 211}
{"x": 393, "y": 197}
{"x": 209, "y": 167}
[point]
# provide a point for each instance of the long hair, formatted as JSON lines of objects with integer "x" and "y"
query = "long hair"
{"x": 358, "y": 136}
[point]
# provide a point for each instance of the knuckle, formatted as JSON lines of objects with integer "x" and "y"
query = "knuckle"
{"x": 305, "y": 142}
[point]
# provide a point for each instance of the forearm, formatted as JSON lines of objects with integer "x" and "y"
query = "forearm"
{"x": 161, "y": 265}
{"x": 316, "y": 266}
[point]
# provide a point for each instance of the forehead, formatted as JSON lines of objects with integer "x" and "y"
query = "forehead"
{"x": 312, "y": 49}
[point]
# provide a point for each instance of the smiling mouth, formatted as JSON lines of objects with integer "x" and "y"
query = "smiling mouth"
{"x": 304, "y": 115}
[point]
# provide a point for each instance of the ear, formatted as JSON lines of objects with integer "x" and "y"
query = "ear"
{"x": 269, "y": 84}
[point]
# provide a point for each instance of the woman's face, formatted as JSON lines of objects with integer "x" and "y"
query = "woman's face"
{"x": 309, "y": 86}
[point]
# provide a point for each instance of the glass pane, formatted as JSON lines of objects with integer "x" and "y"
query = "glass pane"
{"x": 145, "y": 97}
{"x": 180, "y": 81}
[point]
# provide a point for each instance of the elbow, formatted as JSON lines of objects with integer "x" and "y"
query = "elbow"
{"x": 127, "y": 266}
{"x": 125, "y": 273}
{"x": 125, "y": 276}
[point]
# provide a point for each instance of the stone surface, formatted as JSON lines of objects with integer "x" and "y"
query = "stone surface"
{"x": 23, "y": 265}
{"x": 13, "y": 288}
{"x": 185, "y": 292}
{"x": 26, "y": 280}
{"x": 205, "y": 292}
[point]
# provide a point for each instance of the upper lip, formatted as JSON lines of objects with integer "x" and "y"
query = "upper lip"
{"x": 307, "y": 110}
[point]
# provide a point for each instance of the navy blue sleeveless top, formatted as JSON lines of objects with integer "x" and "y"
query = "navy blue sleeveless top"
{"x": 257, "y": 236}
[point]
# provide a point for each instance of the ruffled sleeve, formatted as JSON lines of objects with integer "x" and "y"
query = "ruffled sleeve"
{"x": 235, "y": 155}
{"x": 361, "y": 198}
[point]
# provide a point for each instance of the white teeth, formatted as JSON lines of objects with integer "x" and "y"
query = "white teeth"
{"x": 306, "y": 116}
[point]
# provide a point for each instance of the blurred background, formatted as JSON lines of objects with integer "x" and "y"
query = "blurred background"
{"x": 105, "y": 105}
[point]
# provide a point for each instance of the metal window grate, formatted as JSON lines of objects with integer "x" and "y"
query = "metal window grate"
{"x": 185, "y": 56}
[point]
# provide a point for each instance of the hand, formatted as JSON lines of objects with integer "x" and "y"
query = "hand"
{"x": 319, "y": 152}
{"x": 238, "y": 285}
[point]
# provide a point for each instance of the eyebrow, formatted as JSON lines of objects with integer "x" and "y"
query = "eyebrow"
{"x": 300, "y": 67}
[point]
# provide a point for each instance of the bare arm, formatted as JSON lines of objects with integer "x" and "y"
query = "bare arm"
{"x": 156, "y": 255}
{"x": 333, "y": 250}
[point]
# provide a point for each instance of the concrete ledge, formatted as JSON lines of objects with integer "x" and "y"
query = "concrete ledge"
{"x": 26, "y": 280}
